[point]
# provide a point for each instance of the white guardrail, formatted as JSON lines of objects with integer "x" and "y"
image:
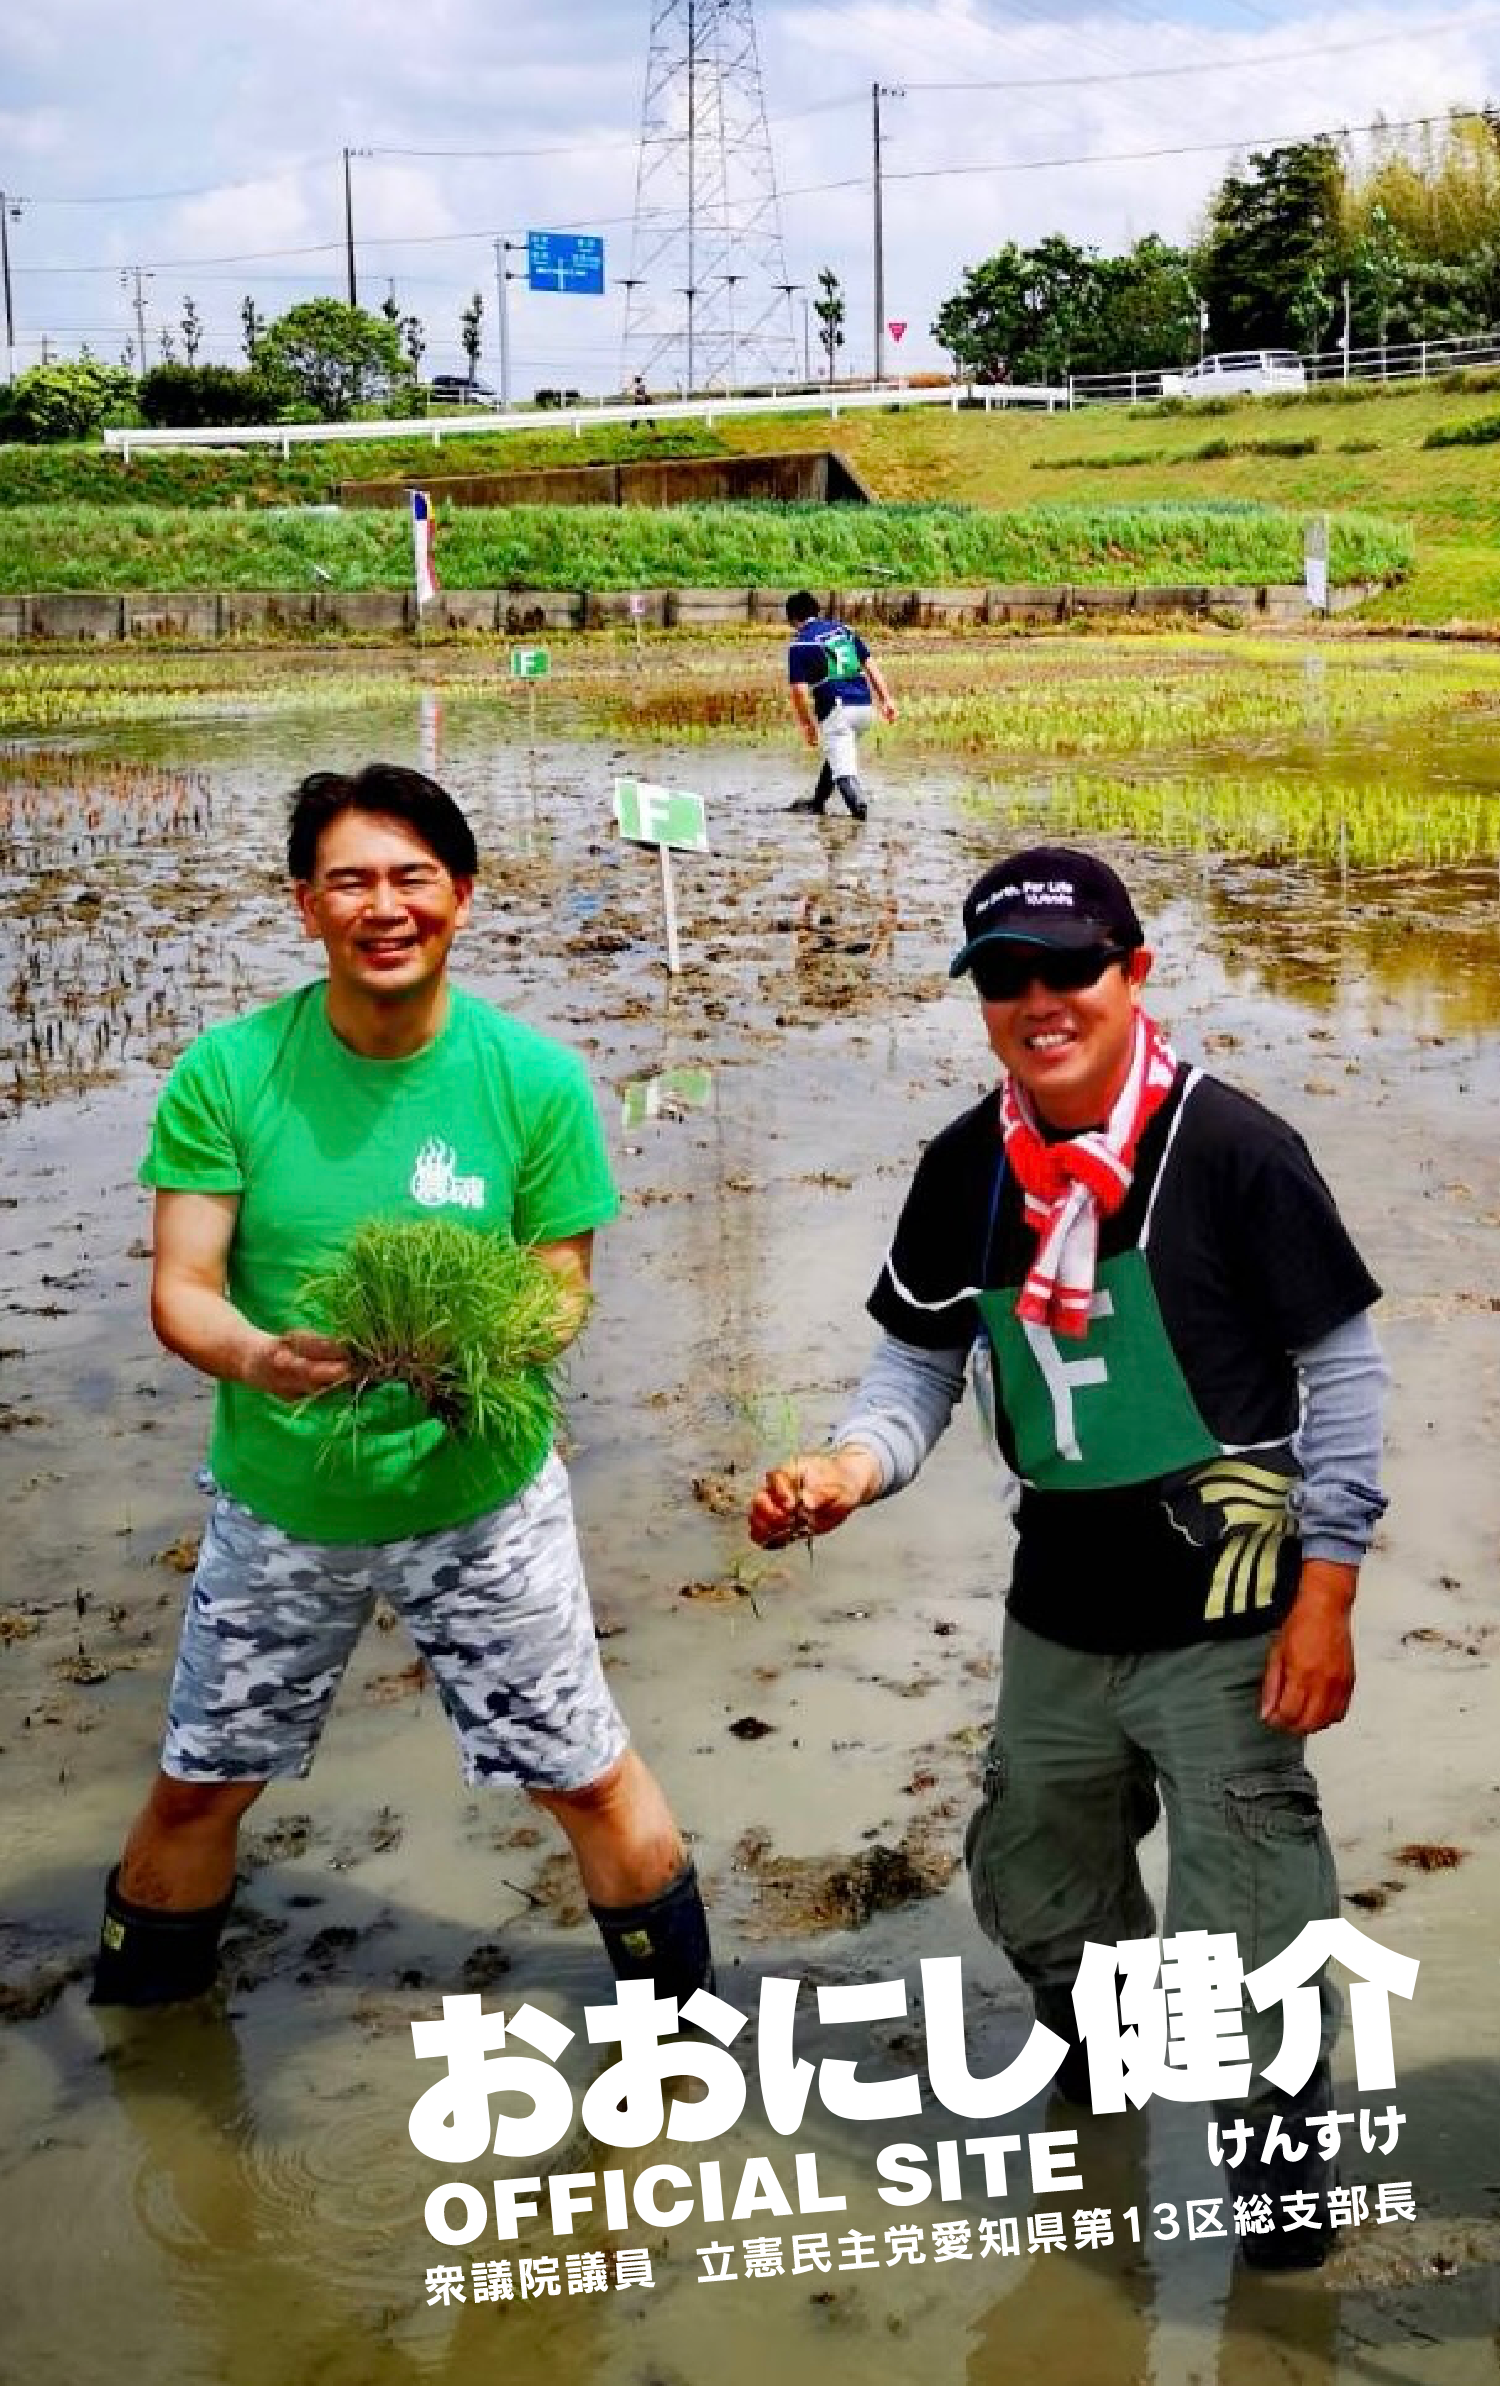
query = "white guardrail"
{"x": 1412, "y": 360}
{"x": 474, "y": 420}
{"x": 1408, "y": 360}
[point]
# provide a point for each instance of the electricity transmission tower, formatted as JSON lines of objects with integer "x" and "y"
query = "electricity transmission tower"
{"x": 707, "y": 301}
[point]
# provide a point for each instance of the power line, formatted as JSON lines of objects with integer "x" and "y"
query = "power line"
{"x": 1241, "y": 61}
{"x": 806, "y": 190}
{"x": 1196, "y": 66}
{"x": 1135, "y": 157}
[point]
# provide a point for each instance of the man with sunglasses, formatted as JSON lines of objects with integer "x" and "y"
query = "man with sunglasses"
{"x": 1174, "y": 1349}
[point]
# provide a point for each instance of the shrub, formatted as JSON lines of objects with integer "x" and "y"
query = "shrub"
{"x": 71, "y": 399}
{"x": 1483, "y": 432}
{"x": 182, "y": 397}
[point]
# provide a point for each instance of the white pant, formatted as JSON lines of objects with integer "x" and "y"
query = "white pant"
{"x": 839, "y": 736}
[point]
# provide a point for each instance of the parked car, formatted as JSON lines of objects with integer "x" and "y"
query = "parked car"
{"x": 1241, "y": 373}
{"x": 455, "y": 389}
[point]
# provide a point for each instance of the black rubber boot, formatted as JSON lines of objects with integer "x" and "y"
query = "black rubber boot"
{"x": 853, "y": 797}
{"x": 664, "y": 1939}
{"x": 147, "y": 1957}
{"x": 1070, "y": 2081}
{"x": 818, "y": 800}
{"x": 1282, "y": 2248}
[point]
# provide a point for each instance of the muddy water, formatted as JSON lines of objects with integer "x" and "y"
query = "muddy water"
{"x": 232, "y": 2196}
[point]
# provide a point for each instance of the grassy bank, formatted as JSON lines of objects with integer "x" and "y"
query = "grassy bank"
{"x": 726, "y": 546}
{"x": 1420, "y": 456}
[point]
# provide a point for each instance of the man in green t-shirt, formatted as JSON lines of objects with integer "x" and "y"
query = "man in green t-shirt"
{"x": 382, "y": 1092}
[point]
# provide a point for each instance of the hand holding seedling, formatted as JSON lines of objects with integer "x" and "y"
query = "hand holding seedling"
{"x": 296, "y": 1366}
{"x": 812, "y": 1494}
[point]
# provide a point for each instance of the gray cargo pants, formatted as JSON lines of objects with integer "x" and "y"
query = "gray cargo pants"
{"x": 1082, "y": 1749}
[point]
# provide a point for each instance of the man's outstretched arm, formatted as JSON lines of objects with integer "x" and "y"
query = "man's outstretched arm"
{"x": 902, "y": 1407}
{"x": 192, "y": 1314}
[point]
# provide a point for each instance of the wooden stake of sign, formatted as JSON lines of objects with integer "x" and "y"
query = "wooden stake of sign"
{"x": 669, "y": 905}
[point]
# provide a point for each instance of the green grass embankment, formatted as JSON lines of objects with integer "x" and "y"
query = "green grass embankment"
{"x": 718, "y": 546}
{"x": 1361, "y": 449}
{"x": 1423, "y": 456}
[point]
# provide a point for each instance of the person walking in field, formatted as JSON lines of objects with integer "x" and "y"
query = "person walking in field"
{"x": 835, "y": 686}
{"x": 377, "y": 1092}
{"x": 1172, "y": 1328}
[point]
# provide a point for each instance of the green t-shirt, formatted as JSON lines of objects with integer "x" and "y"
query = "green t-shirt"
{"x": 492, "y": 1125}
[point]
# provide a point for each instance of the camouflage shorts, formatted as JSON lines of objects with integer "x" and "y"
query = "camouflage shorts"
{"x": 498, "y": 1607}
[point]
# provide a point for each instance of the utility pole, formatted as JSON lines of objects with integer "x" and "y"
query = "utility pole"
{"x": 690, "y": 295}
{"x": 690, "y": 292}
{"x": 878, "y": 92}
{"x": 1348, "y": 318}
{"x": 788, "y": 291}
{"x": 503, "y": 275}
{"x": 729, "y": 280}
{"x": 8, "y": 208}
{"x": 135, "y": 274}
{"x": 349, "y": 230}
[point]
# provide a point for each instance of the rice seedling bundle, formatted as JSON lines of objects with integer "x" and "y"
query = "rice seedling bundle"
{"x": 472, "y": 1325}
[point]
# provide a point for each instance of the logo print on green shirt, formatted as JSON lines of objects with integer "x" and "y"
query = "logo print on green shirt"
{"x": 436, "y": 1183}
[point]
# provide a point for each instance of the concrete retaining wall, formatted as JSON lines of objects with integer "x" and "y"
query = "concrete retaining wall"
{"x": 812, "y": 476}
{"x": 204, "y": 616}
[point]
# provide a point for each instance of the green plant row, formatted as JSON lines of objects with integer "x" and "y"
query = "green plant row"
{"x": 1094, "y": 708}
{"x": 1050, "y": 695}
{"x": 1212, "y": 451}
{"x": 1482, "y": 433}
{"x": 70, "y": 547}
{"x": 1385, "y": 826}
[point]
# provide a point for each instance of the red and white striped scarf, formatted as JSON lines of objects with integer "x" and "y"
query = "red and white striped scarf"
{"x": 1069, "y": 1186}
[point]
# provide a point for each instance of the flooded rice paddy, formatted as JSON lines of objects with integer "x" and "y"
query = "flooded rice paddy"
{"x": 231, "y": 2195}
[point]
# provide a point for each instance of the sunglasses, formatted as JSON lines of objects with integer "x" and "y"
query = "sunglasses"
{"x": 1002, "y": 972}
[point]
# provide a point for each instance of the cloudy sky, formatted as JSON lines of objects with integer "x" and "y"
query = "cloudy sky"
{"x": 212, "y": 159}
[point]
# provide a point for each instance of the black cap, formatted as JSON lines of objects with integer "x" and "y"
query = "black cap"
{"x": 1047, "y": 895}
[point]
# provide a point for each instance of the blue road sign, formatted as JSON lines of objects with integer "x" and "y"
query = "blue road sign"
{"x": 571, "y": 262}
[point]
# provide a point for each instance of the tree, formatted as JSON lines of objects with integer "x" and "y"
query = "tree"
{"x": 328, "y": 351}
{"x": 192, "y": 330}
{"x": 473, "y": 317}
{"x": 984, "y": 325}
{"x": 70, "y": 399}
{"x": 1379, "y": 264}
{"x": 252, "y": 327}
{"x": 1272, "y": 251}
{"x": 1042, "y": 313}
{"x": 1147, "y": 313}
{"x": 1422, "y": 232}
{"x": 828, "y": 306}
{"x": 414, "y": 341}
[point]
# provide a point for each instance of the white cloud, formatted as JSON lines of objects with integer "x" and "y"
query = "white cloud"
{"x": 101, "y": 101}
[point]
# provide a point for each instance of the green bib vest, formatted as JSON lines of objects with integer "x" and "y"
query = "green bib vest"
{"x": 1112, "y": 1408}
